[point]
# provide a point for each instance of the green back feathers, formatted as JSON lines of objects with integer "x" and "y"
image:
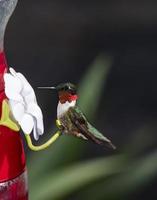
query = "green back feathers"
{"x": 79, "y": 119}
{"x": 78, "y": 114}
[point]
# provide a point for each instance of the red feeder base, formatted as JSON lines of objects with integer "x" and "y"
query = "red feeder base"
{"x": 13, "y": 177}
{"x": 15, "y": 189}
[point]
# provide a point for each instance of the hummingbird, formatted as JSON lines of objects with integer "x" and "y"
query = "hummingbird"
{"x": 71, "y": 118}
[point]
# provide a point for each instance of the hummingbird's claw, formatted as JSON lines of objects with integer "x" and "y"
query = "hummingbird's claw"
{"x": 59, "y": 125}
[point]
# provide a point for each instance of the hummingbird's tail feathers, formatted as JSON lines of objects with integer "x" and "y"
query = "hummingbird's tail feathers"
{"x": 110, "y": 145}
{"x": 103, "y": 142}
{"x": 99, "y": 138}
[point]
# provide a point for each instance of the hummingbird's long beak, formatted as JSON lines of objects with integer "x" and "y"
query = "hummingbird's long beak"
{"x": 47, "y": 88}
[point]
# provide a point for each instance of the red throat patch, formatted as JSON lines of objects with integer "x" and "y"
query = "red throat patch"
{"x": 65, "y": 96}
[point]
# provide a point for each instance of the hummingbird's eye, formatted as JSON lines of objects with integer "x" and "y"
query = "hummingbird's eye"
{"x": 66, "y": 88}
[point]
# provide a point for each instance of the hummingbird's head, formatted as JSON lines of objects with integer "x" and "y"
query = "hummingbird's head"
{"x": 67, "y": 92}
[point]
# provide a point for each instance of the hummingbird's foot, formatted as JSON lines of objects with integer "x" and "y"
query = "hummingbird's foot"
{"x": 59, "y": 125}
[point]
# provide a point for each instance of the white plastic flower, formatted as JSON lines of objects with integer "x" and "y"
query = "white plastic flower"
{"x": 23, "y": 103}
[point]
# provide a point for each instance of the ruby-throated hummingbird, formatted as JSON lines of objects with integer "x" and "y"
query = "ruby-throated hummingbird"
{"x": 72, "y": 120}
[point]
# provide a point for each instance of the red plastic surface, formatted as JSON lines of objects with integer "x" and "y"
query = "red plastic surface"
{"x": 15, "y": 189}
{"x": 12, "y": 157}
{"x": 3, "y": 69}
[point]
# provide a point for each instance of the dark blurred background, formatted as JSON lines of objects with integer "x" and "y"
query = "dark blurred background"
{"x": 55, "y": 41}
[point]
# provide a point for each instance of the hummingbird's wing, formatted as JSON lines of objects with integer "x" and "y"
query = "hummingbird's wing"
{"x": 88, "y": 131}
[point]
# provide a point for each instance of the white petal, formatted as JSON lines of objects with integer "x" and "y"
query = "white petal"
{"x": 40, "y": 126}
{"x": 23, "y": 103}
{"x": 13, "y": 87}
{"x": 35, "y": 111}
{"x": 35, "y": 133}
{"x": 27, "y": 123}
{"x": 12, "y": 71}
{"x": 13, "y": 82}
{"x": 17, "y": 109}
{"x": 27, "y": 90}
